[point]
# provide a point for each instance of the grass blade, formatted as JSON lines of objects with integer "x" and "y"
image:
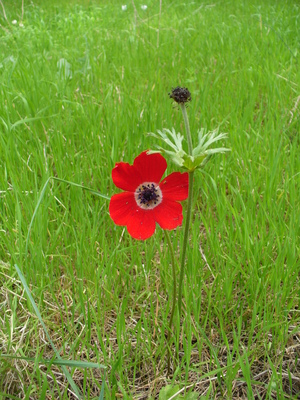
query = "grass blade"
{"x": 42, "y": 196}
{"x": 60, "y": 361}
{"x": 66, "y": 372}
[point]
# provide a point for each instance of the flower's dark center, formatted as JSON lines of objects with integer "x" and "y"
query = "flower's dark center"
{"x": 148, "y": 195}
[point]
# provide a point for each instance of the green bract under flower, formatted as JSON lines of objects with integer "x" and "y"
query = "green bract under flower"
{"x": 201, "y": 153}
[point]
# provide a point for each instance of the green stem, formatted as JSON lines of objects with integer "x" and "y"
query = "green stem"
{"x": 185, "y": 239}
{"x": 187, "y": 128}
{"x": 174, "y": 294}
{"x": 189, "y": 207}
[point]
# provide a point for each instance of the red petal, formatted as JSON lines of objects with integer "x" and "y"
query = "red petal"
{"x": 168, "y": 214}
{"x": 150, "y": 166}
{"x": 125, "y": 212}
{"x": 126, "y": 176}
{"x": 121, "y": 207}
{"x": 175, "y": 186}
{"x": 141, "y": 225}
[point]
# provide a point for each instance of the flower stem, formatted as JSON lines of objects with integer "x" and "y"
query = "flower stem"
{"x": 185, "y": 239}
{"x": 187, "y": 128}
{"x": 174, "y": 294}
{"x": 189, "y": 207}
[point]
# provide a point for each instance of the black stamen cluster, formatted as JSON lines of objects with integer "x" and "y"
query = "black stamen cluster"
{"x": 180, "y": 95}
{"x": 148, "y": 194}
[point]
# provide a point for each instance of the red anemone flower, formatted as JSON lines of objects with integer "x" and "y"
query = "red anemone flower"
{"x": 145, "y": 199}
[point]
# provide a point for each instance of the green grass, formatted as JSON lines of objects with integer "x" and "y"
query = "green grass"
{"x": 80, "y": 85}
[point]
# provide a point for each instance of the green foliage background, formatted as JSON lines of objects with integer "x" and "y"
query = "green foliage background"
{"x": 81, "y": 84}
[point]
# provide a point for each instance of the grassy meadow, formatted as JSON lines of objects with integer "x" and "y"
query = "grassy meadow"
{"x": 81, "y": 85}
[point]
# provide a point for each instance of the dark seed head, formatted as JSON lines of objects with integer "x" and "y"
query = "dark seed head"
{"x": 180, "y": 95}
